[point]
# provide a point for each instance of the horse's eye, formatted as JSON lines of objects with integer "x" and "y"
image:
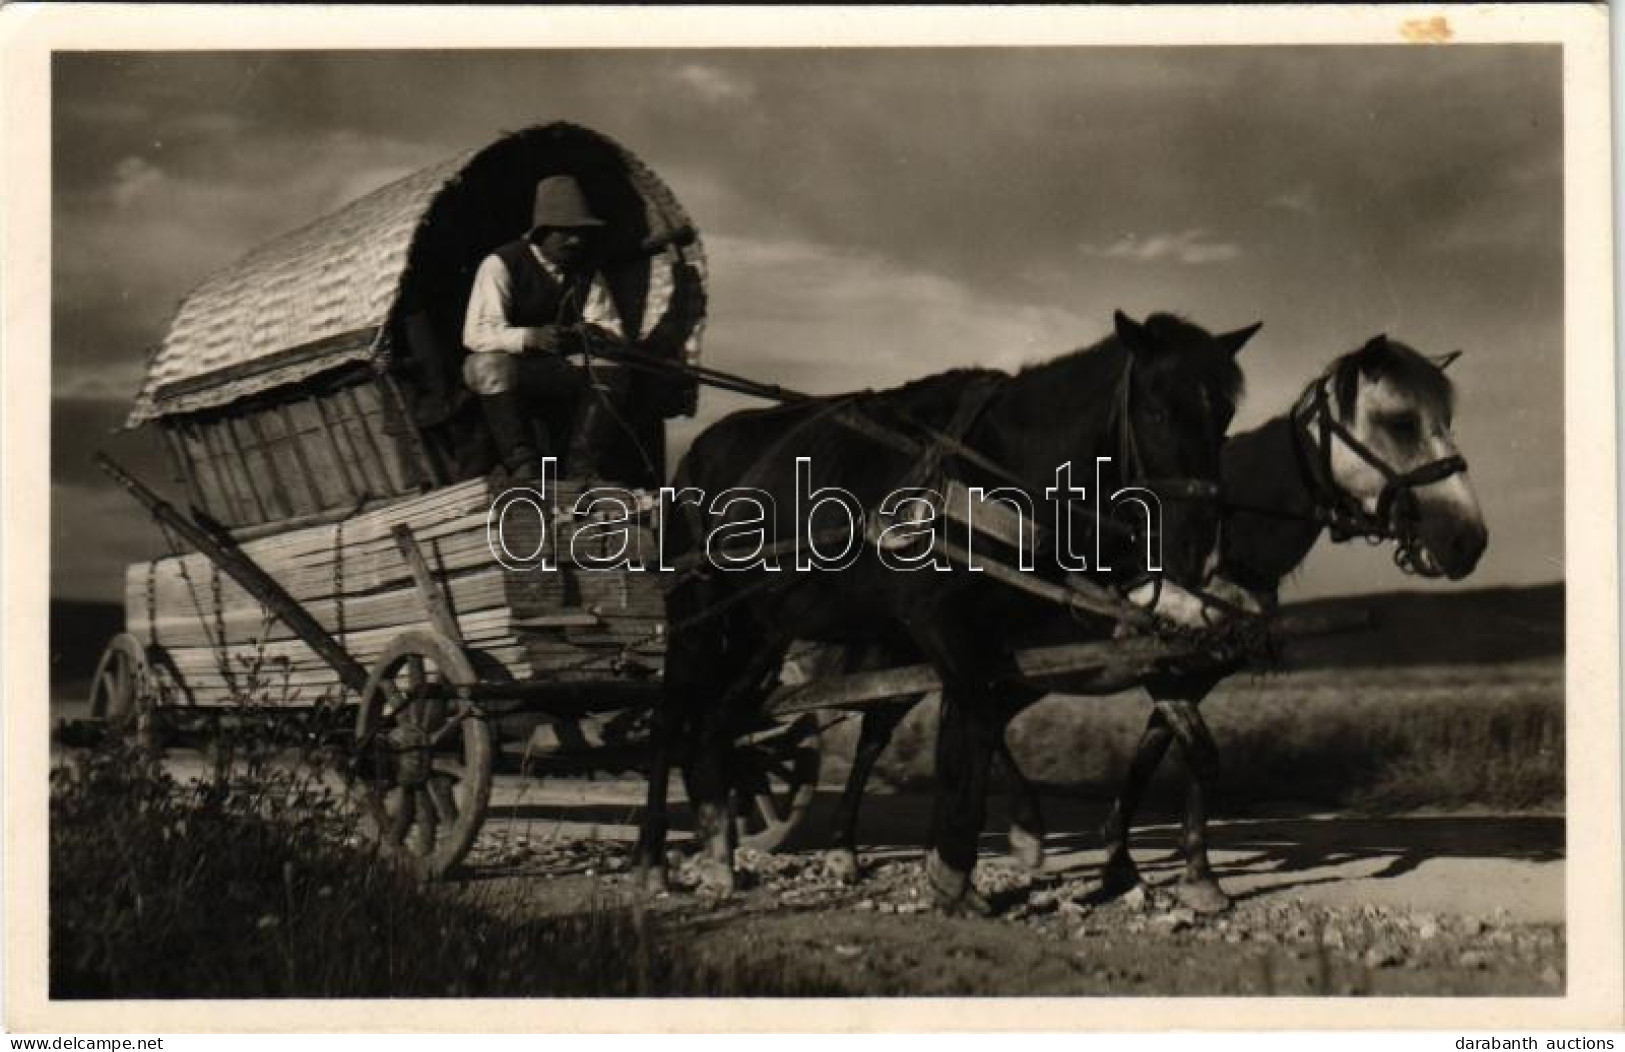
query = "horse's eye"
{"x": 1403, "y": 426}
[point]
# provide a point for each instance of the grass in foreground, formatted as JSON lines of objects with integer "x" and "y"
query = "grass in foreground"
{"x": 242, "y": 887}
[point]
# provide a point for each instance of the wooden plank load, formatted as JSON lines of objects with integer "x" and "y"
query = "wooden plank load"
{"x": 568, "y": 622}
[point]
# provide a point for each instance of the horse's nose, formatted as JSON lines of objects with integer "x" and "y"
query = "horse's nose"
{"x": 1466, "y": 547}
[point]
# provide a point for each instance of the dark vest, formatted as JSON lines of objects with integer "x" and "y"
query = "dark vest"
{"x": 535, "y": 295}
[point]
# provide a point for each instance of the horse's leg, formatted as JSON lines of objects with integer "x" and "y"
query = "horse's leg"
{"x": 649, "y": 857}
{"x": 1026, "y": 818}
{"x": 750, "y": 655}
{"x": 693, "y": 654}
{"x": 707, "y": 786}
{"x": 874, "y": 734}
{"x": 1120, "y": 874}
{"x": 1197, "y": 887}
{"x": 706, "y": 778}
{"x": 968, "y": 735}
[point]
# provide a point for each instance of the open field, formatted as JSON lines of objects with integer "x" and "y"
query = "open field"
{"x": 1448, "y": 699}
{"x": 1370, "y": 738}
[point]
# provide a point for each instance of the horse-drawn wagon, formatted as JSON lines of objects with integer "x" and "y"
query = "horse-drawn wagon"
{"x": 339, "y": 513}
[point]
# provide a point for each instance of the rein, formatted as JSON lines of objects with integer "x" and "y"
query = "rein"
{"x": 933, "y": 443}
{"x": 938, "y": 444}
{"x": 933, "y": 446}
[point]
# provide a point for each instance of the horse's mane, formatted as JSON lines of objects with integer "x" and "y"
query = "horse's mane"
{"x": 950, "y": 379}
{"x": 1218, "y": 374}
{"x": 1108, "y": 347}
{"x": 1387, "y": 359}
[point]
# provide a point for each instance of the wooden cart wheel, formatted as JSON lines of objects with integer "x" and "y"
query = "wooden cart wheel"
{"x": 121, "y": 678}
{"x": 125, "y": 688}
{"x": 424, "y": 754}
{"x": 775, "y": 780}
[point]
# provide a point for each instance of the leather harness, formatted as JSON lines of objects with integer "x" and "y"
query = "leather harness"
{"x": 1343, "y": 514}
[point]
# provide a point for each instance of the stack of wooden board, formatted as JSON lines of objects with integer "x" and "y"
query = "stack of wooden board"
{"x": 567, "y": 622}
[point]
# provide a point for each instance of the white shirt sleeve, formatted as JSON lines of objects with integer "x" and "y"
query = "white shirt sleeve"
{"x": 485, "y": 326}
{"x": 600, "y": 309}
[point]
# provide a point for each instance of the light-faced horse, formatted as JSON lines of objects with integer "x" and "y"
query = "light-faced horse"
{"x": 1158, "y": 395}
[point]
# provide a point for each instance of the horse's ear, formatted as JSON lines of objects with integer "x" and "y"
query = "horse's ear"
{"x": 1442, "y": 362}
{"x": 1370, "y": 357}
{"x": 1131, "y": 332}
{"x": 1233, "y": 342}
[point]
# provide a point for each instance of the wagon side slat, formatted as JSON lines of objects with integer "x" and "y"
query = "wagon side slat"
{"x": 291, "y": 428}
{"x": 229, "y": 436}
{"x": 243, "y": 570}
{"x": 279, "y": 488}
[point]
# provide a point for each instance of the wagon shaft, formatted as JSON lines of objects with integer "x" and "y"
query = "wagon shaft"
{"x": 1091, "y": 668}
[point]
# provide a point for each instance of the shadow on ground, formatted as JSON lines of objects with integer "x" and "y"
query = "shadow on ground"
{"x": 1279, "y": 844}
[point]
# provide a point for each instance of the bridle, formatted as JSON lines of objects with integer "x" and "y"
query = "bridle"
{"x": 1136, "y": 477}
{"x": 1343, "y": 514}
{"x": 1133, "y": 463}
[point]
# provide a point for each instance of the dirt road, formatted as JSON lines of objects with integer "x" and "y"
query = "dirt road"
{"x": 1416, "y": 904}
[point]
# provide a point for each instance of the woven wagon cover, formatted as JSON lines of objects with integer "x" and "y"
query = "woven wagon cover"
{"x": 325, "y": 295}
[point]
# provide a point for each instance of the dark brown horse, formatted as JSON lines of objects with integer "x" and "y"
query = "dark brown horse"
{"x": 1154, "y": 398}
{"x": 1365, "y": 451}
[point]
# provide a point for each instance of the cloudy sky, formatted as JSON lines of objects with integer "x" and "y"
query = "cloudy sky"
{"x": 875, "y": 215}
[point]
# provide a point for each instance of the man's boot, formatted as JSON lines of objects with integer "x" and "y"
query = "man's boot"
{"x": 598, "y": 427}
{"x": 515, "y": 448}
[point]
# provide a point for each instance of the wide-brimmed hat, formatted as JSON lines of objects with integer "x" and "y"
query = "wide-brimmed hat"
{"x": 560, "y": 202}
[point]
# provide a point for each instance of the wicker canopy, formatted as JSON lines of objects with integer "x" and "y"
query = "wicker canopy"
{"x": 332, "y": 293}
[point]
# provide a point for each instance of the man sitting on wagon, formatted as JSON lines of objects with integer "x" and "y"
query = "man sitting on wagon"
{"x": 530, "y": 302}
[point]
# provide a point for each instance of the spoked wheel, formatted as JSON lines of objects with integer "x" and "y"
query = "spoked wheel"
{"x": 125, "y": 689}
{"x": 424, "y": 754}
{"x": 775, "y": 779}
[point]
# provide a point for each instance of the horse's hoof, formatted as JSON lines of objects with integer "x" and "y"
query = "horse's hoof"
{"x": 1202, "y": 895}
{"x": 1119, "y": 877}
{"x": 716, "y": 879}
{"x": 969, "y": 904}
{"x": 1027, "y": 848}
{"x": 841, "y": 863}
{"x": 951, "y": 891}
